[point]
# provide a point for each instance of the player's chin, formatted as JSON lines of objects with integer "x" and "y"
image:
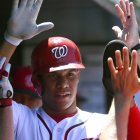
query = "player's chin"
{"x": 64, "y": 101}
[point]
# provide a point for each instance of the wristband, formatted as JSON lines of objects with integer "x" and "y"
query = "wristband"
{"x": 12, "y": 40}
{"x": 5, "y": 102}
{"x": 136, "y": 47}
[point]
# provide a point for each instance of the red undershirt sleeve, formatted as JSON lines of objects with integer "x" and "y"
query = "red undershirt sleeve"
{"x": 134, "y": 124}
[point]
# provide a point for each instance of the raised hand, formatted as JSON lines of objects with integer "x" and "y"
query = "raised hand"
{"x": 22, "y": 23}
{"x": 126, "y": 84}
{"x": 125, "y": 80}
{"x": 129, "y": 33}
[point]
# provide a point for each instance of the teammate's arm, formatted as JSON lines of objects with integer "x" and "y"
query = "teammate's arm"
{"x": 6, "y": 93}
{"x": 21, "y": 26}
{"x": 130, "y": 35}
{"x": 126, "y": 84}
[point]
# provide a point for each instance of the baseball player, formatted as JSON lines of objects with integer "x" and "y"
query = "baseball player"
{"x": 56, "y": 64}
{"x": 24, "y": 91}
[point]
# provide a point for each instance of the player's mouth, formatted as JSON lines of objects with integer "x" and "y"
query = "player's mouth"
{"x": 63, "y": 94}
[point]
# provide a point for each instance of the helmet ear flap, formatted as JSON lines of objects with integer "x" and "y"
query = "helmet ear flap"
{"x": 37, "y": 85}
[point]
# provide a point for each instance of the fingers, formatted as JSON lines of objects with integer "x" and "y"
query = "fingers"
{"x": 111, "y": 67}
{"x": 44, "y": 26}
{"x": 132, "y": 11}
{"x": 123, "y": 7}
{"x": 134, "y": 61}
{"x": 15, "y": 5}
{"x": 128, "y": 13}
{"x": 126, "y": 61}
{"x": 123, "y": 62}
{"x": 119, "y": 62}
{"x": 30, "y": 3}
{"x": 120, "y": 13}
{"x": 23, "y": 3}
{"x": 37, "y": 6}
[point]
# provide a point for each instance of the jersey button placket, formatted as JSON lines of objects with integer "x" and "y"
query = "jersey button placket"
{"x": 59, "y": 130}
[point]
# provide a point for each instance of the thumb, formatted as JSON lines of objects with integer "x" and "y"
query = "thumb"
{"x": 117, "y": 31}
{"x": 44, "y": 26}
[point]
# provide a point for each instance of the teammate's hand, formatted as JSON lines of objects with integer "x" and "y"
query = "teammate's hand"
{"x": 22, "y": 23}
{"x": 125, "y": 80}
{"x": 129, "y": 34}
{"x": 6, "y": 90}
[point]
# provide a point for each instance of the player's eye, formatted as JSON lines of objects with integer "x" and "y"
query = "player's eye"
{"x": 52, "y": 76}
{"x": 72, "y": 74}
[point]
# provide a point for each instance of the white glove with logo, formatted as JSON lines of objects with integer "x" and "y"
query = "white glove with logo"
{"x": 6, "y": 90}
{"x": 22, "y": 23}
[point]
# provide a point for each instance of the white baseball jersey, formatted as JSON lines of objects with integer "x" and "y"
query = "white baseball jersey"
{"x": 36, "y": 124}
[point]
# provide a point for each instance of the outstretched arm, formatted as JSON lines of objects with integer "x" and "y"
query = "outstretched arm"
{"x": 130, "y": 35}
{"x": 6, "y": 93}
{"x": 21, "y": 26}
{"x": 125, "y": 85}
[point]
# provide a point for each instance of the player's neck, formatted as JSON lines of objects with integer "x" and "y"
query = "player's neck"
{"x": 59, "y": 118}
{"x": 66, "y": 112}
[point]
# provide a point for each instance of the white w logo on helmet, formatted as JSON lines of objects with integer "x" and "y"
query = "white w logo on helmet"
{"x": 60, "y": 52}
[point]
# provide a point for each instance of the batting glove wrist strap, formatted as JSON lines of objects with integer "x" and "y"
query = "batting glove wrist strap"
{"x": 12, "y": 40}
{"x": 5, "y": 102}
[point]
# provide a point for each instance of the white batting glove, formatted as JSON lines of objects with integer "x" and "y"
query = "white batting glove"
{"x": 6, "y": 90}
{"x": 22, "y": 23}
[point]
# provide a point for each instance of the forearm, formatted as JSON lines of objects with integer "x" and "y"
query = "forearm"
{"x": 122, "y": 107}
{"x": 7, "y": 50}
{"x": 6, "y": 123}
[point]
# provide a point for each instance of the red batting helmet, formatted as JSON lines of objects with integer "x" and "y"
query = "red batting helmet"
{"x": 56, "y": 53}
{"x": 21, "y": 81}
{"x": 53, "y": 54}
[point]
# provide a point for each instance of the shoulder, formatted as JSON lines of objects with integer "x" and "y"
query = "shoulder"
{"x": 22, "y": 109}
{"x": 90, "y": 116}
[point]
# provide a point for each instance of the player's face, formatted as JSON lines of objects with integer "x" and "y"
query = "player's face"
{"x": 59, "y": 91}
